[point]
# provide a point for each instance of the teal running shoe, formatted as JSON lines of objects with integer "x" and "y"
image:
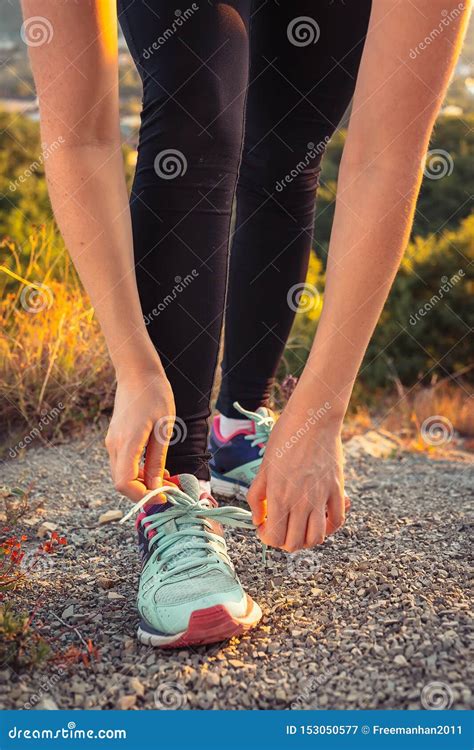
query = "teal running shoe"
{"x": 189, "y": 592}
{"x": 235, "y": 460}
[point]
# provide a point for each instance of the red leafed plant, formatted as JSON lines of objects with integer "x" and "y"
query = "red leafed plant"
{"x": 50, "y": 545}
{"x": 75, "y": 655}
{"x": 12, "y": 553}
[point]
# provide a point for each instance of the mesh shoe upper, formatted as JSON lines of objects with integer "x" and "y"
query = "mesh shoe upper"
{"x": 186, "y": 565}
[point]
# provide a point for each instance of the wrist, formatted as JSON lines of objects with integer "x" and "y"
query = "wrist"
{"x": 138, "y": 364}
{"x": 321, "y": 405}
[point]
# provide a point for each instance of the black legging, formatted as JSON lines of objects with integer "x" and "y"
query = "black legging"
{"x": 199, "y": 98}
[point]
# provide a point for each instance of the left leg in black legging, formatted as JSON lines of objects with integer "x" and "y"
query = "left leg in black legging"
{"x": 304, "y": 62}
{"x": 194, "y": 68}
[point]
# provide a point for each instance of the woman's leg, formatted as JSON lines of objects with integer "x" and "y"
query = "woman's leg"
{"x": 194, "y": 68}
{"x": 304, "y": 63}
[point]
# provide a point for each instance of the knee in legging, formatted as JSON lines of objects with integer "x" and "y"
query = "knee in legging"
{"x": 193, "y": 127}
{"x": 289, "y": 175}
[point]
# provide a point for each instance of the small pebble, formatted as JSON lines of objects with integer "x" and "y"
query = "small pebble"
{"x": 110, "y": 515}
{"x": 46, "y": 529}
{"x": 125, "y": 702}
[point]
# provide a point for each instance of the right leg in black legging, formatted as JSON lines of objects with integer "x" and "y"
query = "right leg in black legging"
{"x": 304, "y": 62}
{"x": 194, "y": 68}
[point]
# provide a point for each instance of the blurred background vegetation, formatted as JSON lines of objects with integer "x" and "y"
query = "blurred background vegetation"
{"x": 52, "y": 350}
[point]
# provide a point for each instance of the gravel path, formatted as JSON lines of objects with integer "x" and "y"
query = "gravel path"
{"x": 376, "y": 618}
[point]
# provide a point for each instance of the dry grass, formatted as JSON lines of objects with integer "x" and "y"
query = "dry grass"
{"x": 54, "y": 369}
{"x": 451, "y": 401}
{"x": 454, "y": 402}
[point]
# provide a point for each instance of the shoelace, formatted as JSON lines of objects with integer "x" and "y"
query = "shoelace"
{"x": 187, "y": 509}
{"x": 263, "y": 426}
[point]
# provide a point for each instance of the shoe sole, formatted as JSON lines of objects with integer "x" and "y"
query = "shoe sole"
{"x": 209, "y": 625}
{"x": 228, "y": 488}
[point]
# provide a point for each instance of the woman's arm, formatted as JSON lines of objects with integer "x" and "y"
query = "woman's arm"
{"x": 76, "y": 75}
{"x": 399, "y": 91}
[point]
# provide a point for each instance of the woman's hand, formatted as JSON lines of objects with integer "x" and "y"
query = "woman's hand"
{"x": 297, "y": 498}
{"x": 143, "y": 417}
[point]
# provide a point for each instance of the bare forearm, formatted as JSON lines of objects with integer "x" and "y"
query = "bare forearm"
{"x": 366, "y": 248}
{"x": 76, "y": 75}
{"x": 90, "y": 201}
{"x": 396, "y": 102}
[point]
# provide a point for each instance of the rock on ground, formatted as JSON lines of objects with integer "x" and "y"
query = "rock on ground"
{"x": 378, "y": 617}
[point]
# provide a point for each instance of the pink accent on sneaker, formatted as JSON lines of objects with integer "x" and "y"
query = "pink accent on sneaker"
{"x": 211, "y": 625}
{"x": 220, "y": 436}
{"x": 140, "y": 517}
{"x": 207, "y": 496}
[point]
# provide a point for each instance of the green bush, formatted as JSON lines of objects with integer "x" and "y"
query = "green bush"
{"x": 443, "y": 202}
{"x": 424, "y": 331}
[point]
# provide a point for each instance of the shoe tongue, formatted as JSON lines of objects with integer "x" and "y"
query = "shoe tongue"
{"x": 190, "y": 485}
